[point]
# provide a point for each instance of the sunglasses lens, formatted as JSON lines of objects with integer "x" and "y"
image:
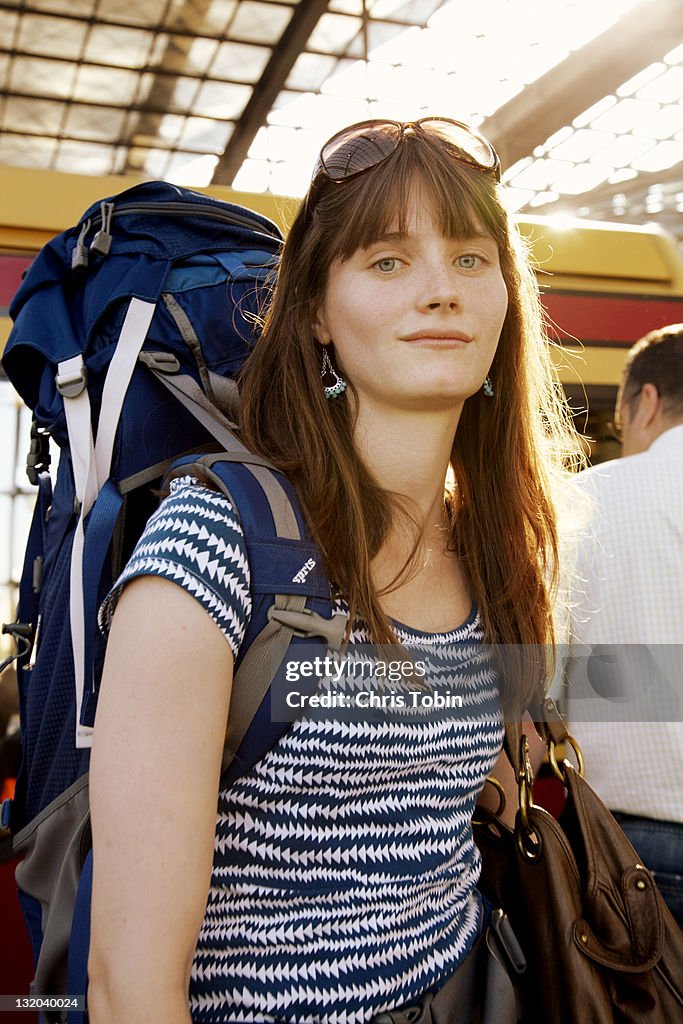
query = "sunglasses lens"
{"x": 477, "y": 149}
{"x": 359, "y": 148}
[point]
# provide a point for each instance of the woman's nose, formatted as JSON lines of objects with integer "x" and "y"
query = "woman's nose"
{"x": 440, "y": 289}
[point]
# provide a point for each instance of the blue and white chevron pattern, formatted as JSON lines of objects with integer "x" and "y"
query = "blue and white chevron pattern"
{"x": 344, "y": 876}
{"x": 195, "y": 540}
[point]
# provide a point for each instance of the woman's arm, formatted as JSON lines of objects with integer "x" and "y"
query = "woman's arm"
{"x": 154, "y": 779}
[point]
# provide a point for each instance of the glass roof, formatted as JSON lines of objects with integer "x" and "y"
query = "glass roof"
{"x": 246, "y": 91}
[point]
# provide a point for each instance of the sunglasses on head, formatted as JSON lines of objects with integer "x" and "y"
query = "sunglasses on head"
{"x": 365, "y": 145}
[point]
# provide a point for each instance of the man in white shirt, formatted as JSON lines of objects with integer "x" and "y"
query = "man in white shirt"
{"x": 624, "y": 673}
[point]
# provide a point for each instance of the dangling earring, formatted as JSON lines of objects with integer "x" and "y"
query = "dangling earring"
{"x": 487, "y": 387}
{"x": 338, "y": 387}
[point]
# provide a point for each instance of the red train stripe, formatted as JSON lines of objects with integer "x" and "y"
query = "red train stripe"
{"x": 11, "y": 268}
{"x": 617, "y": 320}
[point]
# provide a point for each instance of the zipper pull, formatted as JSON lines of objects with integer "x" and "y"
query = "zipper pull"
{"x": 101, "y": 243}
{"x": 79, "y": 257}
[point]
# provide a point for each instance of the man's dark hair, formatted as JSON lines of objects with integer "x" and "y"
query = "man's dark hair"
{"x": 657, "y": 359}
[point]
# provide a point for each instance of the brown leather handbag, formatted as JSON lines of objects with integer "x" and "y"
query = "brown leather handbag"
{"x": 600, "y": 943}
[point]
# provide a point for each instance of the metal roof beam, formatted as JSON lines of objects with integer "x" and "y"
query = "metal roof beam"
{"x": 306, "y": 16}
{"x": 640, "y": 37}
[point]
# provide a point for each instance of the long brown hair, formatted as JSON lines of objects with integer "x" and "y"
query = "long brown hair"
{"x": 507, "y": 453}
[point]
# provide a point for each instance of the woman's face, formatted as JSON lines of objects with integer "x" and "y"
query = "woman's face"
{"x": 415, "y": 319}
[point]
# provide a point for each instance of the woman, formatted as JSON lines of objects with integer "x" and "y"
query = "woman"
{"x": 424, "y": 460}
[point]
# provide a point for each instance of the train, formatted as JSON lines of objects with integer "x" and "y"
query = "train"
{"x": 603, "y": 285}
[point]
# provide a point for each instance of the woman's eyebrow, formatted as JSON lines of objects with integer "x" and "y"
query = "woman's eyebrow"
{"x": 391, "y": 236}
{"x": 388, "y": 237}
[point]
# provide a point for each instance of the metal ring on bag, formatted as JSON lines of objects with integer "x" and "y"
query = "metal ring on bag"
{"x": 560, "y": 771}
{"x": 528, "y": 838}
{"x": 529, "y": 842}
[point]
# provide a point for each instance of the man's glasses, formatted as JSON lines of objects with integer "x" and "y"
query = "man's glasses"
{"x": 362, "y": 146}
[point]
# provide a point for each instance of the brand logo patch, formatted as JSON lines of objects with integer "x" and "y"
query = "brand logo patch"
{"x": 304, "y": 571}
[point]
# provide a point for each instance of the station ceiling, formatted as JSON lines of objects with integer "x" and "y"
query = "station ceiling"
{"x": 582, "y": 99}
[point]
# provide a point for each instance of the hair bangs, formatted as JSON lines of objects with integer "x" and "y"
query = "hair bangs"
{"x": 464, "y": 199}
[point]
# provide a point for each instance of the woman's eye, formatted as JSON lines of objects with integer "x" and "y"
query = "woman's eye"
{"x": 469, "y": 261}
{"x": 387, "y": 264}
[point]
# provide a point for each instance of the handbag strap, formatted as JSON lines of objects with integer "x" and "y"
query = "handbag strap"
{"x": 549, "y": 725}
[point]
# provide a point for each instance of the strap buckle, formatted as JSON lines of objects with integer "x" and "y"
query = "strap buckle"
{"x": 163, "y": 362}
{"x": 310, "y": 623}
{"x": 38, "y": 458}
{"x": 72, "y": 383}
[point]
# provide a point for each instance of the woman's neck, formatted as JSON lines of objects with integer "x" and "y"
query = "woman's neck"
{"x": 409, "y": 454}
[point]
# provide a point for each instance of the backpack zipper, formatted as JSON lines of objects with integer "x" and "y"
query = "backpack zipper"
{"x": 101, "y": 243}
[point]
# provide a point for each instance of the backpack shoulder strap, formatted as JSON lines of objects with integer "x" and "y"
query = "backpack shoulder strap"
{"x": 292, "y": 602}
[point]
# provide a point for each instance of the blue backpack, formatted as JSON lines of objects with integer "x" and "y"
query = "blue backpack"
{"x": 128, "y": 330}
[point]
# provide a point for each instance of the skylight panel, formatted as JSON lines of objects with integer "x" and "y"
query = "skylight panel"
{"x": 83, "y": 158}
{"x": 665, "y": 123}
{"x": 221, "y": 99}
{"x": 663, "y": 156}
{"x": 124, "y": 46}
{"x": 400, "y": 48}
{"x": 641, "y": 79}
{"x": 151, "y": 162}
{"x": 557, "y": 137}
{"x": 101, "y": 84}
{"x": 543, "y": 199}
{"x": 666, "y": 88}
{"x": 541, "y": 173}
{"x": 624, "y": 116}
{"x": 210, "y": 18}
{"x": 674, "y": 56}
{"x": 350, "y": 80}
{"x": 622, "y": 174}
{"x": 187, "y": 169}
{"x": 56, "y": 37}
{"x": 378, "y": 33}
{"x": 39, "y": 116}
{"x": 205, "y": 135}
{"x": 46, "y": 77}
{"x": 310, "y": 71}
{"x": 186, "y": 55}
{"x": 185, "y": 91}
{"x": 456, "y": 18}
{"x": 238, "y": 62}
{"x": 407, "y": 10}
{"x": 333, "y": 33}
{"x": 253, "y": 176}
{"x": 169, "y": 128}
{"x": 94, "y": 122}
{"x": 516, "y": 198}
{"x": 397, "y": 82}
{"x": 581, "y": 178}
{"x": 581, "y": 145}
{"x": 76, "y": 8}
{"x": 26, "y": 151}
{"x": 593, "y": 112}
{"x": 259, "y": 22}
{"x": 8, "y": 27}
{"x": 290, "y": 178}
{"x": 346, "y": 7}
{"x": 622, "y": 151}
{"x": 150, "y": 12}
